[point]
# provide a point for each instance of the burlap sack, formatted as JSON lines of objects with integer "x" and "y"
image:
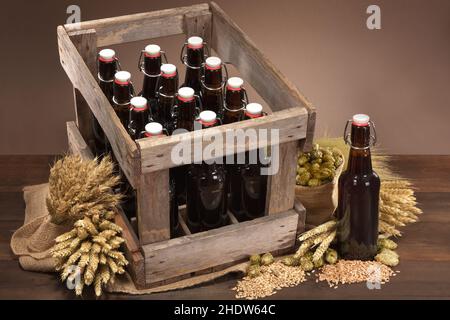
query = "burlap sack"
{"x": 34, "y": 239}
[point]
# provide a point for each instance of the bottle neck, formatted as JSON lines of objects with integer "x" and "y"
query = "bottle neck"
{"x": 213, "y": 77}
{"x": 360, "y": 160}
{"x": 195, "y": 57}
{"x": 107, "y": 70}
{"x": 152, "y": 65}
{"x": 233, "y": 98}
{"x": 122, "y": 92}
{"x": 168, "y": 86}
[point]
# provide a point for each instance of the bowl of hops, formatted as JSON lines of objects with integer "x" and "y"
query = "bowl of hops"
{"x": 317, "y": 179}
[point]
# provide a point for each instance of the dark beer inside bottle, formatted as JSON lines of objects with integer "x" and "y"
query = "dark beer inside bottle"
{"x": 207, "y": 196}
{"x": 122, "y": 96}
{"x": 212, "y": 90}
{"x": 185, "y": 113}
{"x": 168, "y": 86}
{"x": 358, "y": 200}
{"x": 254, "y": 183}
{"x": 234, "y": 97}
{"x": 195, "y": 57}
{"x": 139, "y": 117}
{"x": 152, "y": 67}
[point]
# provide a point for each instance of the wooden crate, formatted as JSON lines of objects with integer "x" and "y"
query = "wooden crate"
{"x": 155, "y": 257}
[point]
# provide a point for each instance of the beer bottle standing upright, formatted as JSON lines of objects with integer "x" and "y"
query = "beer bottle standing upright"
{"x": 254, "y": 182}
{"x": 184, "y": 114}
{"x": 139, "y": 117}
{"x": 235, "y": 100}
{"x": 207, "y": 193}
{"x": 122, "y": 94}
{"x": 107, "y": 68}
{"x": 166, "y": 91}
{"x": 212, "y": 93}
{"x": 358, "y": 196}
{"x": 151, "y": 68}
{"x": 154, "y": 130}
{"x": 233, "y": 112}
{"x": 194, "y": 60}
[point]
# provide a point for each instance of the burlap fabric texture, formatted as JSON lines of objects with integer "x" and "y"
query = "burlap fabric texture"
{"x": 32, "y": 243}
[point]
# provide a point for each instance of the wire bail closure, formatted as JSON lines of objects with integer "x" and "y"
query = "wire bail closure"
{"x": 347, "y": 136}
{"x": 243, "y": 101}
{"x": 224, "y": 78}
{"x": 183, "y": 56}
{"x": 141, "y": 63}
{"x": 118, "y": 66}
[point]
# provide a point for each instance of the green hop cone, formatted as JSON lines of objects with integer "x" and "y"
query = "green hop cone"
{"x": 331, "y": 256}
{"x": 267, "y": 259}
{"x": 255, "y": 259}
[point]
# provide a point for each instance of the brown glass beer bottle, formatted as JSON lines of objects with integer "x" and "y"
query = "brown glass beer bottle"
{"x": 207, "y": 197}
{"x": 194, "y": 60}
{"x": 359, "y": 188}
{"x": 155, "y": 130}
{"x": 139, "y": 117}
{"x": 151, "y": 68}
{"x": 122, "y": 94}
{"x": 212, "y": 88}
{"x": 107, "y": 67}
{"x": 185, "y": 112}
{"x": 167, "y": 87}
{"x": 235, "y": 100}
{"x": 254, "y": 182}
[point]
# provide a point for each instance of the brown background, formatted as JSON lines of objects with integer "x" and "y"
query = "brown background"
{"x": 400, "y": 75}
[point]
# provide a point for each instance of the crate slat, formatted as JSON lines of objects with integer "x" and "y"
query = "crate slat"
{"x": 140, "y": 26}
{"x": 125, "y": 150}
{"x": 232, "y": 243}
{"x": 156, "y": 153}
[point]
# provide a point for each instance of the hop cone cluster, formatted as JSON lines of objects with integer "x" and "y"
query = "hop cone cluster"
{"x": 91, "y": 248}
{"x": 79, "y": 188}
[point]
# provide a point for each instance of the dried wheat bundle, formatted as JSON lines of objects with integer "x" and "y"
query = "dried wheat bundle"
{"x": 79, "y": 188}
{"x": 91, "y": 248}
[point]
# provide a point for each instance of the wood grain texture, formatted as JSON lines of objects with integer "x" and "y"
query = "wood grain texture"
{"x": 125, "y": 150}
{"x": 301, "y": 211}
{"x": 280, "y": 188}
{"x": 291, "y": 123}
{"x": 200, "y": 25}
{"x": 423, "y": 249}
{"x": 77, "y": 144}
{"x": 202, "y": 250}
{"x": 141, "y": 26}
{"x": 153, "y": 207}
{"x": 86, "y": 43}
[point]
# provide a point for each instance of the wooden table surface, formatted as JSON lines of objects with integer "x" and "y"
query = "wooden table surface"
{"x": 424, "y": 249}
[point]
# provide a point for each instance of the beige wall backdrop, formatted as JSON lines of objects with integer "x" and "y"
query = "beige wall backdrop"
{"x": 400, "y": 75}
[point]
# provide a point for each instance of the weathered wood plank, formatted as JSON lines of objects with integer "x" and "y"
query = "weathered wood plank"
{"x": 141, "y": 26}
{"x": 301, "y": 211}
{"x": 224, "y": 245}
{"x": 198, "y": 25}
{"x": 77, "y": 144}
{"x": 153, "y": 207}
{"x": 291, "y": 123}
{"x": 125, "y": 149}
{"x": 86, "y": 43}
{"x": 281, "y": 186}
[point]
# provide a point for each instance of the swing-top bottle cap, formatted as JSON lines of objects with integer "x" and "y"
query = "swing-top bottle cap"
{"x": 122, "y": 77}
{"x": 152, "y": 50}
{"x": 235, "y": 83}
{"x": 254, "y": 109}
{"x": 208, "y": 118}
{"x": 139, "y": 102}
{"x": 213, "y": 63}
{"x": 153, "y": 129}
{"x": 195, "y": 42}
{"x": 186, "y": 93}
{"x": 361, "y": 120}
{"x": 107, "y": 55}
{"x": 168, "y": 69}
